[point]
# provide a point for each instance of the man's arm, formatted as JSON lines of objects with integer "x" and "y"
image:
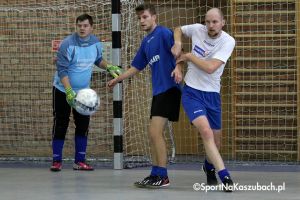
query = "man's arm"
{"x": 177, "y": 47}
{"x": 177, "y": 72}
{"x": 114, "y": 71}
{"x": 70, "y": 94}
{"x": 127, "y": 74}
{"x": 65, "y": 81}
{"x": 209, "y": 66}
{"x": 103, "y": 64}
{"x": 62, "y": 65}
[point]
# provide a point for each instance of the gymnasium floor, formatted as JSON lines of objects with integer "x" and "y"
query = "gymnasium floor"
{"x": 36, "y": 182}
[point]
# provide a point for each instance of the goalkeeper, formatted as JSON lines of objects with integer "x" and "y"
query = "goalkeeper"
{"x": 155, "y": 51}
{"x": 75, "y": 59}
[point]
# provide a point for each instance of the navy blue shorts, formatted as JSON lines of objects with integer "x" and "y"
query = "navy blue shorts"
{"x": 198, "y": 103}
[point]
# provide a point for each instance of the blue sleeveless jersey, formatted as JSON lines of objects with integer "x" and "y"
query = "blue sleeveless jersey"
{"x": 75, "y": 59}
{"x": 155, "y": 51}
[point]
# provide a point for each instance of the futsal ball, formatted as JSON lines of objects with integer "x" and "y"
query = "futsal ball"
{"x": 87, "y": 101}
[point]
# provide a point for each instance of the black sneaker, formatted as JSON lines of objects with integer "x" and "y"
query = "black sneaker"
{"x": 227, "y": 184}
{"x": 211, "y": 178}
{"x": 153, "y": 182}
{"x": 143, "y": 182}
{"x": 157, "y": 182}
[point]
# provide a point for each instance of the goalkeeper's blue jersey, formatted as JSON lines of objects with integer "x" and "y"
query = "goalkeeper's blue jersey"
{"x": 155, "y": 51}
{"x": 75, "y": 59}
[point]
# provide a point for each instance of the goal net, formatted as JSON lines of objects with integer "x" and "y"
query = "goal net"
{"x": 30, "y": 35}
{"x": 259, "y": 85}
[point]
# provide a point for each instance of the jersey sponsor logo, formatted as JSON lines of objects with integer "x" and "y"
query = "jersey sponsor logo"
{"x": 154, "y": 59}
{"x": 84, "y": 62}
{"x": 199, "y": 50}
{"x": 209, "y": 44}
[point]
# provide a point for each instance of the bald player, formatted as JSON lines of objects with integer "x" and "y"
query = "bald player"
{"x": 211, "y": 48}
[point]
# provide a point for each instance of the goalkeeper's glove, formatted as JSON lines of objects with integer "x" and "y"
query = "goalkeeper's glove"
{"x": 115, "y": 71}
{"x": 70, "y": 96}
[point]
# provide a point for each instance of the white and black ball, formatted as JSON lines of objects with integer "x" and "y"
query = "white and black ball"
{"x": 87, "y": 101}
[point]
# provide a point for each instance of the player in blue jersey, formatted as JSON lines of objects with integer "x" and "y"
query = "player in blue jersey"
{"x": 211, "y": 48}
{"x": 155, "y": 51}
{"x": 75, "y": 59}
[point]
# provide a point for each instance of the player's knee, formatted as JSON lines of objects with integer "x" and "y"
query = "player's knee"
{"x": 207, "y": 134}
{"x": 81, "y": 124}
{"x": 151, "y": 136}
{"x": 59, "y": 135}
{"x": 155, "y": 135}
{"x": 82, "y": 132}
{"x": 60, "y": 129}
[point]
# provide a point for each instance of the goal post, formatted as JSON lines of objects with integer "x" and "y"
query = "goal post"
{"x": 117, "y": 91}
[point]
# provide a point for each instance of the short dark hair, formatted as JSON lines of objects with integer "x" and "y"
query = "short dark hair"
{"x": 84, "y": 17}
{"x": 143, "y": 7}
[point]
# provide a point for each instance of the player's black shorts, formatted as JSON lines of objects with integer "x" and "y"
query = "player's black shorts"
{"x": 167, "y": 104}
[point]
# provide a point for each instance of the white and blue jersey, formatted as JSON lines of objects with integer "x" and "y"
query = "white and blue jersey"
{"x": 201, "y": 94}
{"x": 155, "y": 51}
{"x": 75, "y": 59}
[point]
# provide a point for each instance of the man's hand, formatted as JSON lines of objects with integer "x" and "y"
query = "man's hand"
{"x": 112, "y": 83}
{"x": 176, "y": 50}
{"x": 70, "y": 96}
{"x": 177, "y": 73}
{"x": 115, "y": 71}
{"x": 184, "y": 57}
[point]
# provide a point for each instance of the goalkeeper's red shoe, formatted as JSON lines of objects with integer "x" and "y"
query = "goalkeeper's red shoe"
{"x": 56, "y": 166}
{"x": 82, "y": 166}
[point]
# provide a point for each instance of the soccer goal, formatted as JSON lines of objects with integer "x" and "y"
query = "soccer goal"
{"x": 260, "y": 84}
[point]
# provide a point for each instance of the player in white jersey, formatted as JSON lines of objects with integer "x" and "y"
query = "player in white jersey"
{"x": 211, "y": 48}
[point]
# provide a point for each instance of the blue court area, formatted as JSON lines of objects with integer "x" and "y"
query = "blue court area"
{"x": 34, "y": 181}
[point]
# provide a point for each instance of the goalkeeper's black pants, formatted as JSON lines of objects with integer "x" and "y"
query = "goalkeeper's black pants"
{"x": 61, "y": 117}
